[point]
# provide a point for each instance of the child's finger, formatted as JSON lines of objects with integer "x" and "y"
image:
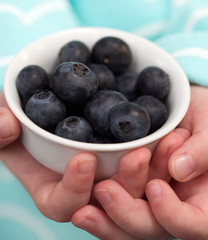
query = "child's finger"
{"x": 132, "y": 215}
{"x": 62, "y": 199}
{"x": 181, "y": 219}
{"x": 9, "y": 127}
{"x": 96, "y": 222}
{"x": 190, "y": 160}
{"x": 56, "y": 196}
{"x": 170, "y": 143}
{"x": 133, "y": 171}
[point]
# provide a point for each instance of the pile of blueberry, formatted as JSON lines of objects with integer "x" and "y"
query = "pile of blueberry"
{"x": 91, "y": 96}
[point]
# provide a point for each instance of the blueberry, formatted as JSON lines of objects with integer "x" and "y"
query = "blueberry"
{"x": 45, "y": 109}
{"x": 74, "y": 128}
{"x": 105, "y": 77}
{"x": 101, "y": 139}
{"x": 126, "y": 84}
{"x": 129, "y": 121}
{"x": 98, "y": 108}
{"x": 30, "y": 79}
{"x": 74, "y": 82}
{"x": 157, "y": 110}
{"x": 153, "y": 81}
{"x": 114, "y": 53}
{"x": 75, "y": 51}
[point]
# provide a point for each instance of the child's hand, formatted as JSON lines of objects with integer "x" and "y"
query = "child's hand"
{"x": 181, "y": 208}
{"x": 191, "y": 159}
{"x": 9, "y": 126}
{"x": 56, "y": 196}
{"x": 178, "y": 210}
{"x": 126, "y": 215}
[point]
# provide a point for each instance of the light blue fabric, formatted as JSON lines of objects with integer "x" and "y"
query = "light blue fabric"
{"x": 22, "y": 22}
{"x": 125, "y": 15}
{"x": 178, "y": 26}
{"x": 191, "y": 52}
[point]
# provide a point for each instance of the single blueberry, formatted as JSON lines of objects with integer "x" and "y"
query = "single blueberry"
{"x": 129, "y": 121}
{"x": 153, "y": 81}
{"x": 106, "y": 79}
{"x": 126, "y": 84}
{"x": 30, "y": 79}
{"x": 97, "y": 110}
{"x": 112, "y": 52}
{"x": 157, "y": 110}
{"x": 75, "y": 128}
{"x": 45, "y": 109}
{"x": 75, "y": 51}
{"x": 74, "y": 82}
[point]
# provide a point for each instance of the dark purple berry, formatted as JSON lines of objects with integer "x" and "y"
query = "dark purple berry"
{"x": 157, "y": 110}
{"x": 106, "y": 79}
{"x": 75, "y": 51}
{"x": 74, "y": 82}
{"x": 126, "y": 84}
{"x": 75, "y": 128}
{"x": 153, "y": 81}
{"x": 112, "y": 52}
{"x": 45, "y": 109}
{"x": 30, "y": 79}
{"x": 129, "y": 121}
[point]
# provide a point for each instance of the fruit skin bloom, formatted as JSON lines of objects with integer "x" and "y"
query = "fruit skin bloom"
{"x": 75, "y": 51}
{"x": 112, "y": 52}
{"x": 45, "y": 109}
{"x": 74, "y": 82}
{"x": 129, "y": 121}
{"x": 75, "y": 128}
{"x": 30, "y": 79}
{"x": 153, "y": 81}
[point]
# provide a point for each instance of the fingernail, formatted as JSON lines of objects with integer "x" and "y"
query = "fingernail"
{"x": 86, "y": 224}
{"x": 153, "y": 190}
{"x": 183, "y": 166}
{"x": 6, "y": 130}
{"x": 103, "y": 197}
{"x": 86, "y": 166}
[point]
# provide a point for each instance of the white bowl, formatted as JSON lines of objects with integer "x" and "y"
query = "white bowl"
{"x": 54, "y": 152}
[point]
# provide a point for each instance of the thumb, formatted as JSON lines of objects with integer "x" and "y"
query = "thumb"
{"x": 190, "y": 160}
{"x": 9, "y": 127}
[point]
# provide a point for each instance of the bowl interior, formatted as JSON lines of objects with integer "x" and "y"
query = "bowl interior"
{"x": 44, "y": 52}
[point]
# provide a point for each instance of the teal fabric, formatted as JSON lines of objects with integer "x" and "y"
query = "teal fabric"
{"x": 191, "y": 52}
{"x": 22, "y": 22}
{"x": 178, "y": 26}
